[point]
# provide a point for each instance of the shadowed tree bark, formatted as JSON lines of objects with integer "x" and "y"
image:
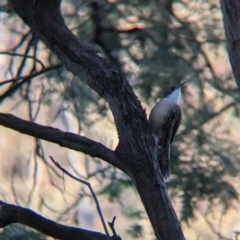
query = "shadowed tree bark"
{"x": 134, "y": 154}
{"x": 231, "y": 20}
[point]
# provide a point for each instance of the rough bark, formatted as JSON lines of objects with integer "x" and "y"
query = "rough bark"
{"x": 135, "y": 151}
{"x": 231, "y": 20}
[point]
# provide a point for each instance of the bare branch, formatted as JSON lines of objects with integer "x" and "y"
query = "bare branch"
{"x": 24, "y": 79}
{"x": 64, "y": 139}
{"x": 217, "y": 233}
{"x": 111, "y": 225}
{"x": 47, "y": 69}
{"x": 10, "y": 214}
{"x": 91, "y": 190}
{"x": 25, "y": 56}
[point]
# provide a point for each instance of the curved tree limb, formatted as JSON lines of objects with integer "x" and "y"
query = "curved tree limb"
{"x": 10, "y": 214}
{"x": 135, "y": 151}
{"x": 64, "y": 139}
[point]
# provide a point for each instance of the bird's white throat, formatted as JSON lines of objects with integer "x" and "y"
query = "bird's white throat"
{"x": 175, "y": 96}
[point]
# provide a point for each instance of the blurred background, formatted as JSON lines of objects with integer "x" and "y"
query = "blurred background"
{"x": 155, "y": 44}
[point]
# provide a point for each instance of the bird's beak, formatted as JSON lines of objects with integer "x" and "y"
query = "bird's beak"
{"x": 183, "y": 83}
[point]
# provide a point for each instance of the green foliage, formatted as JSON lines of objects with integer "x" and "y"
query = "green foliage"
{"x": 114, "y": 189}
{"x": 19, "y": 232}
{"x": 135, "y": 231}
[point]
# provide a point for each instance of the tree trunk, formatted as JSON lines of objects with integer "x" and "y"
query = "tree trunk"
{"x": 231, "y": 20}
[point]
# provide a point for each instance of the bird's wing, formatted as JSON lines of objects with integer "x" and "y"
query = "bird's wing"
{"x": 172, "y": 121}
{"x": 177, "y": 122}
{"x": 154, "y": 120}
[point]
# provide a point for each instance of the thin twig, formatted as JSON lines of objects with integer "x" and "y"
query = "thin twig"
{"x": 111, "y": 225}
{"x": 25, "y": 56}
{"x": 32, "y": 75}
{"x": 91, "y": 190}
{"x": 212, "y": 228}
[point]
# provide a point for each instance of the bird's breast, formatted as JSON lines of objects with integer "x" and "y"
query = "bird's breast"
{"x": 159, "y": 113}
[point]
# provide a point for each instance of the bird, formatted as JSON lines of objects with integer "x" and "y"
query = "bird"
{"x": 164, "y": 119}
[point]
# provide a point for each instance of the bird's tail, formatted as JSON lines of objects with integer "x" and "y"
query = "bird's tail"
{"x": 163, "y": 160}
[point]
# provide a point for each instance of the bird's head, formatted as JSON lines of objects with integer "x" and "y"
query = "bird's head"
{"x": 173, "y": 93}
